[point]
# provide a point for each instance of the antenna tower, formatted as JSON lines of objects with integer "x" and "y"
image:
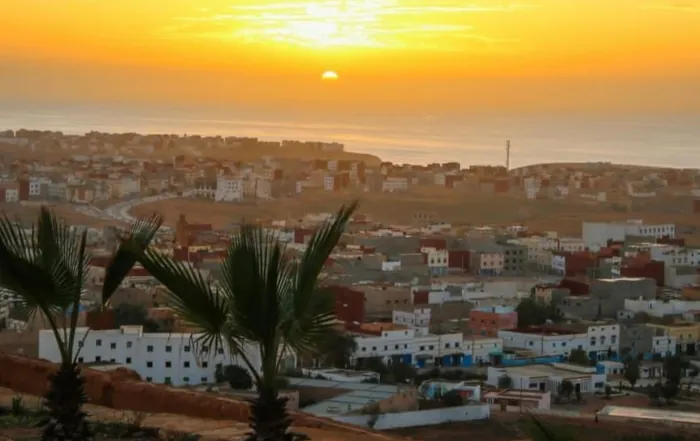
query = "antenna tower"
{"x": 508, "y": 155}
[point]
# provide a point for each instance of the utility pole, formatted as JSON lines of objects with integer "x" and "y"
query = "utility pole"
{"x": 508, "y": 155}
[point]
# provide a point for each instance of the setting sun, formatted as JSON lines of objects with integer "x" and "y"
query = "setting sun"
{"x": 329, "y": 75}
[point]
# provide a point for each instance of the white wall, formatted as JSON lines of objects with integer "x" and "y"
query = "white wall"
{"x": 420, "y": 418}
{"x": 659, "y": 308}
{"x": 544, "y": 344}
{"x": 400, "y": 342}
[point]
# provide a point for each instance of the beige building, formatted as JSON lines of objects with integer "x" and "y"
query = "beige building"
{"x": 381, "y": 300}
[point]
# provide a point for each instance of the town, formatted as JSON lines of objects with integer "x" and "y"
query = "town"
{"x": 448, "y": 319}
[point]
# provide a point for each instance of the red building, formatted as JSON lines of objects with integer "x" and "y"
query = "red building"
{"x": 349, "y": 304}
{"x": 652, "y": 269}
{"x": 302, "y": 235}
{"x": 438, "y": 243}
{"x": 576, "y": 287}
{"x": 421, "y": 297}
{"x": 458, "y": 259}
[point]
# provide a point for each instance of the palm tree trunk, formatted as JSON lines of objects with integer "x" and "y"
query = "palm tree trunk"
{"x": 268, "y": 416}
{"x": 65, "y": 420}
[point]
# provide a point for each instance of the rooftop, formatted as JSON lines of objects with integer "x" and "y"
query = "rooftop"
{"x": 358, "y": 395}
{"x": 542, "y": 371}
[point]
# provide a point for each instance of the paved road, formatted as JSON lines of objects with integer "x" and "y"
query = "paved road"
{"x": 121, "y": 210}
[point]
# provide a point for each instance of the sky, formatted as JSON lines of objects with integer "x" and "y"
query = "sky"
{"x": 390, "y": 55}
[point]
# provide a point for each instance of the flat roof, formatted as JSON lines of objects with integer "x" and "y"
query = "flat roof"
{"x": 358, "y": 395}
{"x": 544, "y": 371}
{"x": 651, "y": 414}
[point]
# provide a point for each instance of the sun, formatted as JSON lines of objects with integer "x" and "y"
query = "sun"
{"x": 329, "y": 75}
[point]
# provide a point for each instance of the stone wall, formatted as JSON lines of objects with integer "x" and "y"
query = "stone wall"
{"x": 122, "y": 389}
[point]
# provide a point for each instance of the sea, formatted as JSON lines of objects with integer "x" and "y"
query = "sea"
{"x": 657, "y": 140}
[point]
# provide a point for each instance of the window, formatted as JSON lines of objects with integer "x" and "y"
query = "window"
{"x": 431, "y": 347}
{"x": 98, "y": 342}
{"x": 168, "y": 364}
{"x": 185, "y": 379}
{"x": 374, "y": 348}
{"x": 98, "y": 359}
{"x": 80, "y": 344}
{"x": 149, "y": 364}
{"x": 149, "y": 379}
{"x": 205, "y": 364}
{"x": 613, "y": 339}
{"x": 168, "y": 348}
{"x": 168, "y": 380}
{"x": 80, "y": 359}
{"x": 149, "y": 348}
{"x": 187, "y": 349}
{"x": 112, "y": 360}
{"x": 129, "y": 344}
{"x": 112, "y": 346}
{"x": 593, "y": 341}
{"x": 447, "y": 345}
{"x": 186, "y": 364}
{"x": 204, "y": 379}
{"x": 128, "y": 360}
{"x": 422, "y": 348}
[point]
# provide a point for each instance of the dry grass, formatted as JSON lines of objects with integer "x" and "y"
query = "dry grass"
{"x": 458, "y": 208}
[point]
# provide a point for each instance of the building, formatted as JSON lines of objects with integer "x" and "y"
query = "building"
{"x": 416, "y": 346}
{"x": 229, "y": 189}
{"x": 597, "y": 234}
{"x": 517, "y": 400}
{"x": 546, "y": 378}
{"x": 487, "y": 263}
{"x": 489, "y": 320}
{"x": 395, "y": 184}
{"x": 599, "y": 340}
{"x": 418, "y": 318}
{"x": 438, "y": 262}
{"x": 170, "y": 358}
{"x": 686, "y": 335}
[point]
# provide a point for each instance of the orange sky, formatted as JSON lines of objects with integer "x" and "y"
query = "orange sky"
{"x": 450, "y": 53}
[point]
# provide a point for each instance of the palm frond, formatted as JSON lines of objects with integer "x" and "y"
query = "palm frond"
{"x": 136, "y": 241}
{"x": 193, "y": 299}
{"x": 22, "y": 271}
{"x": 255, "y": 277}
{"x": 311, "y": 310}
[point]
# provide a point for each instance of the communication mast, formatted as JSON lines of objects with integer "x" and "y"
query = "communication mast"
{"x": 508, "y": 155}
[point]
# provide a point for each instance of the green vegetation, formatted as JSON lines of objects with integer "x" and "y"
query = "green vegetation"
{"x": 632, "y": 371}
{"x": 505, "y": 382}
{"x": 238, "y": 377}
{"x": 533, "y": 312}
{"x": 46, "y": 268}
{"x": 263, "y": 297}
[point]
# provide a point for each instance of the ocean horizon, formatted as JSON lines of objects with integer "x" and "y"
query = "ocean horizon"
{"x": 655, "y": 140}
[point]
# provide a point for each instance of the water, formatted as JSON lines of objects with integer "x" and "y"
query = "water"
{"x": 661, "y": 140}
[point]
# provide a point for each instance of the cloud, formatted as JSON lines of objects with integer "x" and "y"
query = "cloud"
{"x": 353, "y": 23}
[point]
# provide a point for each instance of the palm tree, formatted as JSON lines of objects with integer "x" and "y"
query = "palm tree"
{"x": 263, "y": 298}
{"x": 45, "y": 268}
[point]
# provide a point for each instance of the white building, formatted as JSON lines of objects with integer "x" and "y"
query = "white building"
{"x": 660, "y": 308}
{"x": 172, "y": 358}
{"x": 418, "y": 318}
{"x": 329, "y": 183}
{"x": 558, "y": 264}
{"x": 229, "y": 189}
{"x": 597, "y": 340}
{"x": 438, "y": 262}
{"x": 395, "y": 183}
{"x": 417, "y": 346}
{"x": 596, "y": 234}
{"x": 546, "y": 378}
